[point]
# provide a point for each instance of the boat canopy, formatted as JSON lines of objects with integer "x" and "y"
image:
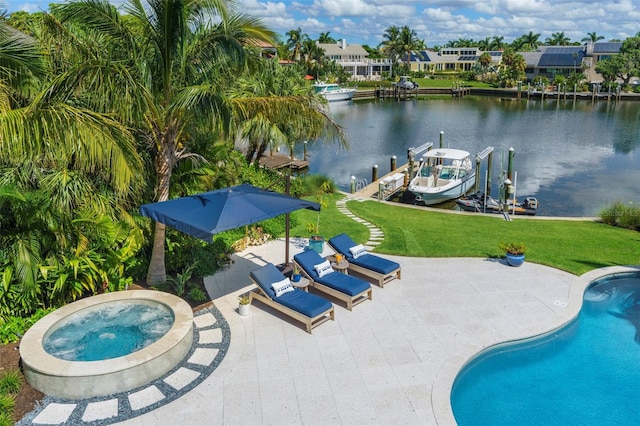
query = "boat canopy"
{"x": 452, "y": 154}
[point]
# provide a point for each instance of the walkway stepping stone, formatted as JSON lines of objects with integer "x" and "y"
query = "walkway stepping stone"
{"x": 181, "y": 378}
{"x": 203, "y": 356}
{"x": 100, "y": 410}
{"x": 205, "y": 320}
{"x": 145, "y": 397}
{"x": 54, "y": 414}
{"x": 213, "y": 335}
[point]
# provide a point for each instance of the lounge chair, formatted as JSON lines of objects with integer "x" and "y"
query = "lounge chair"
{"x": 310, "y": 309}
{"x": 381, "y": 270}
{"x": 351, "y": 290}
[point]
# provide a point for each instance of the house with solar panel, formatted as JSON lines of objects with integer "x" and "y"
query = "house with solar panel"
{"x": 451, "y": 59}
{"x": 549, "y": 61}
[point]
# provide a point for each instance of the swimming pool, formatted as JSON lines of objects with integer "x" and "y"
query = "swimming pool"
{"x": 586, "y": 373}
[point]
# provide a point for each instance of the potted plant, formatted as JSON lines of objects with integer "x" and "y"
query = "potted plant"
{"x": 296, "y": 275}
{"x": 316, "y": 241}
{"x": 244, "y": 304}
{"x": 514, "y": 253}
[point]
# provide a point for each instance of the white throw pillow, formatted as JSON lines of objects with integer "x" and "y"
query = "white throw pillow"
{"x": 282, "y": 287}
{"x": 357, "y": 251}
{"x": 323, "y": 268}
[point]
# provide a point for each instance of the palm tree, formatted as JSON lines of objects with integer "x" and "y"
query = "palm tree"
{"x": 65, "y": 160}
{"x": 558, "y": 39}
{"x": 497, "y": 43}
{"x": 283, "y": 126}
{"x": 485, "y": 45}
{"x": 174, "y": 53}
{"x": 183, "y": 56}
{"x": 325, "y": 38}
{"x": 592, "y": 37}
{"x": 530, "y": 40}
{"x": 400, "y": 42}
{"x": 408, "y": 41}
{"x": 388, "y": 46}
{"x": 294, "y": 43}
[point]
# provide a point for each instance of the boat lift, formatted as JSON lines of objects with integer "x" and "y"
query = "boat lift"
{"x": 487, "y": 152}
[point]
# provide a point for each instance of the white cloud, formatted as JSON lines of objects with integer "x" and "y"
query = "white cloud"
{"x": 263, "y": 9}
{"x": 336, "y": 8}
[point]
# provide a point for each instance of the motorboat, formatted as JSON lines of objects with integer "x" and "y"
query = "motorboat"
{"x": 444, "y": 174}
{"x": 405, "y": 82}
{"x": 478, "y": 202}
{"x": 333, "y": 92}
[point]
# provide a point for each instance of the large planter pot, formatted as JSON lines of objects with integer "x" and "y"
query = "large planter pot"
{"x": 316, "y": 242}
{"x": 515, "y": 259}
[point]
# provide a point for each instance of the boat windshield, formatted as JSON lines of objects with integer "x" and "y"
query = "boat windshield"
{"x": 327, "y": 88}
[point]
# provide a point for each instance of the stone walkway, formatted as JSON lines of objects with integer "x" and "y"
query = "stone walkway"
{"x": 210, "y": 345}
{"x": 376, "y": 235}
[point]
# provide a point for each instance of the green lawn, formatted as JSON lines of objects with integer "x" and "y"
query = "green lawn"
{"x": 573, "y": 246}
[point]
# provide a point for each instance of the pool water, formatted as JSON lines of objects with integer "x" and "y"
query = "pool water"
{"x": 109, "y": 331}
{"x": 587, "y": 373}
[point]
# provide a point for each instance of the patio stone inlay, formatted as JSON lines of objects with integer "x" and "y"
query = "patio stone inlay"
{"x": 211, "y": 340}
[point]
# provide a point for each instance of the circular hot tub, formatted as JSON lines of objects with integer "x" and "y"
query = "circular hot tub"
{"x": 142, "y": 334}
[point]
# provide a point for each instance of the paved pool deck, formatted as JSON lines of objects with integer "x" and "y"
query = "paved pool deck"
{"x": 392, "y": 360}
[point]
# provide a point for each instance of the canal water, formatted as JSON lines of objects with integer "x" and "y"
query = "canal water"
{"x": 575, "y": 157}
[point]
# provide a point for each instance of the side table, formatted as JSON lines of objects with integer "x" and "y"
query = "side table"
{"x": 342, "y": 266}
{"x": 302, "y": 284}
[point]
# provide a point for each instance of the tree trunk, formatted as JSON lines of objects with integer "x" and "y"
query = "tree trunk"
{"x": 164, "y": 162}
{"x": 157, "y": 272}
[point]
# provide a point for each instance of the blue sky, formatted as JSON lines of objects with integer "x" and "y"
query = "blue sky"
{"x": 435, "y": 21}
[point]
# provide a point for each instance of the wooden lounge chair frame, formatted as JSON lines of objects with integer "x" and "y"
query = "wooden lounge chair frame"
{"x": 309, "y": 322}
{"x": 378, "y": 278}
{"x": 351, "y": 301}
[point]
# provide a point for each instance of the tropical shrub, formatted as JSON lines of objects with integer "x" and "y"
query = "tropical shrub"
{"x": 618, "y": 214}
{"x": 13, "y": 328}
{"x": 11, "y": 381}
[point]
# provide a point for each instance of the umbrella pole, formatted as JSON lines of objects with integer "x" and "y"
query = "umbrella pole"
{"x": 286, "y": 241}
{"x": 286, "y": 220}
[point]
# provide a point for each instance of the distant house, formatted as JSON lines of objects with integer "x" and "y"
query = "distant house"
{"x": 355, "y": 60}
{"x": 267, "y": 50}
{"x": 452, "y": 59}
{"x": 549, "y": 61}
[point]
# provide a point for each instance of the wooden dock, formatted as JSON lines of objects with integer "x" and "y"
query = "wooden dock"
{"x": 278, "y": 161}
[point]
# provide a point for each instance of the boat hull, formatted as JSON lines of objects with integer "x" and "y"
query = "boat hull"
{"x": 476, "y": 203}
{"x": 339, "y": 96}
{"x": 432, "y": 196}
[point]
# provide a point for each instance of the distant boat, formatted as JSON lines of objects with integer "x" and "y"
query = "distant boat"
{"x": 333, "y": 92}
{"x": 444, "y": 174}
{"x": 478, "y": 202}
{"x": 405, "y": 82}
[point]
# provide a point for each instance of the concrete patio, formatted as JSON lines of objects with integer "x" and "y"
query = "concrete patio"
{"x": 391, "y": 360}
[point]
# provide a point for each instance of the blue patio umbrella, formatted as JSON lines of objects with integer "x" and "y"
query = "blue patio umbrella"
{"x": 206, "y": 214}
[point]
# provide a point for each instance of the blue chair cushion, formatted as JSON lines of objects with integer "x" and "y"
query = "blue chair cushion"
{"x": 307, "y": 304}
{"x": 375, "y": 263}
{"x": 342, "y": 243}
{"x": 265, "y": 276}
{"x": 343, "y": 283}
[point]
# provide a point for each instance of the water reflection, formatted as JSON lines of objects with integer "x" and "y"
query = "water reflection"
{"x": 575, "y": 157}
